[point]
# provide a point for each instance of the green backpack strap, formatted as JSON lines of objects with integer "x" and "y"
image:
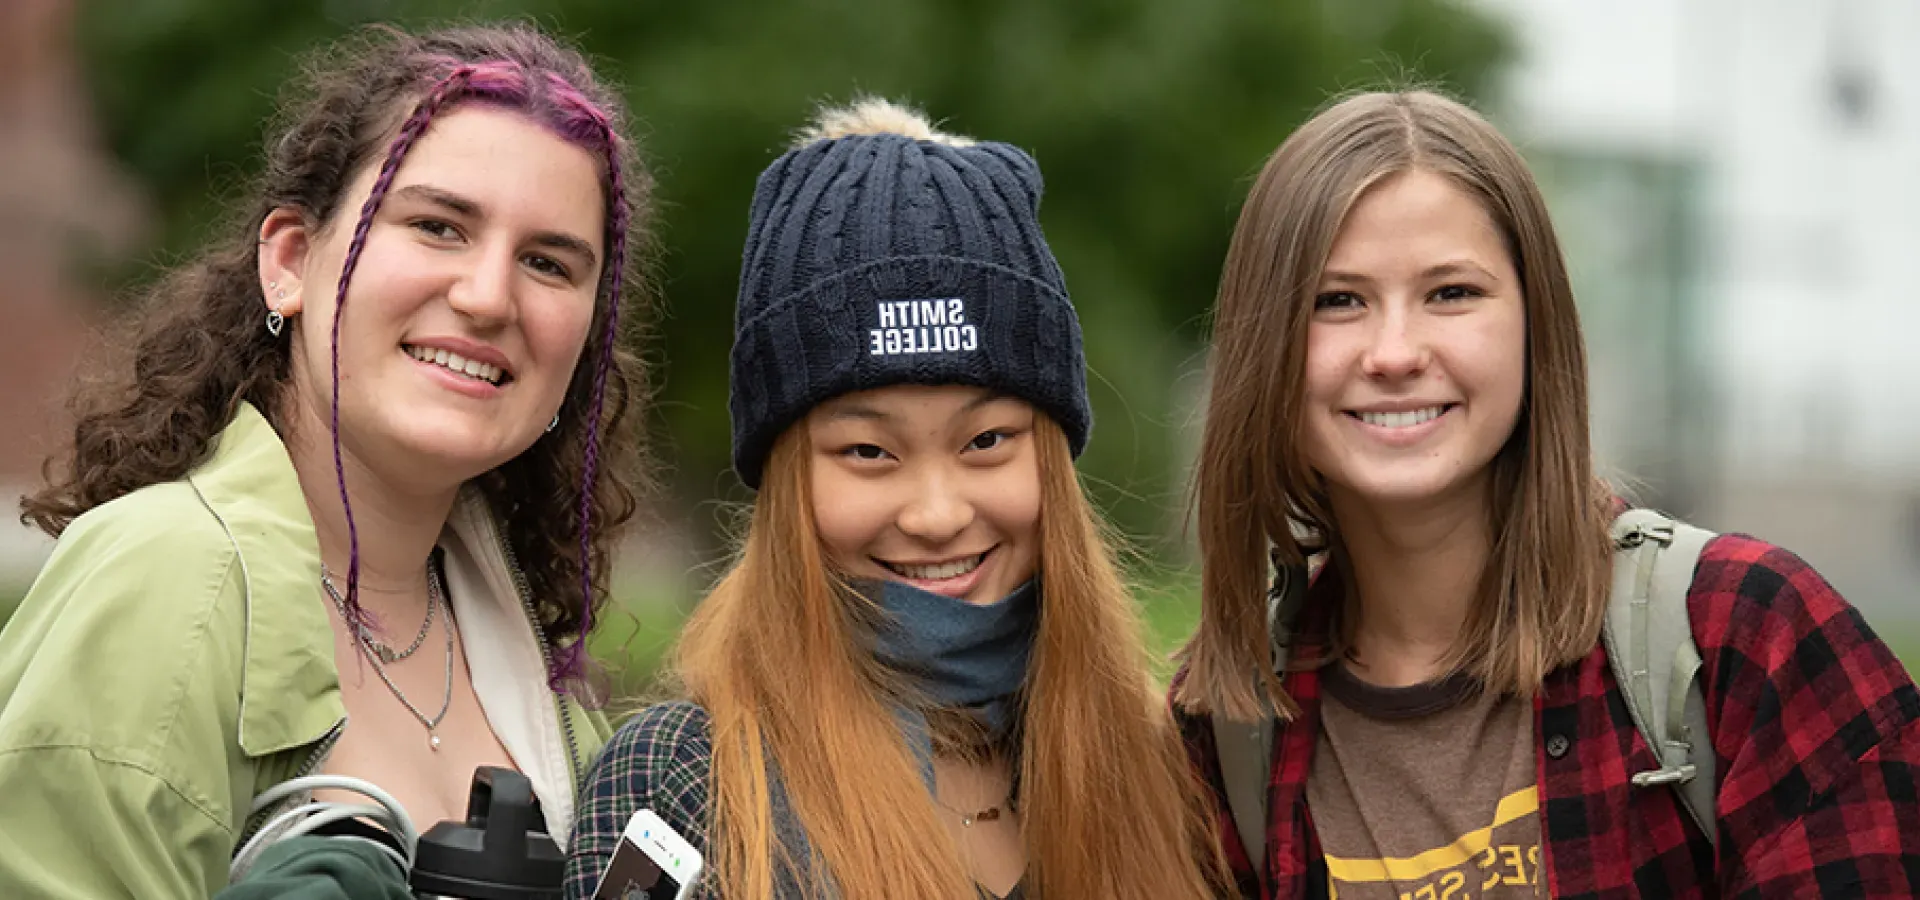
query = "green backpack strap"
{"x": 1245, "y": 749}
{"x": 1246, "y": 758}
{"x": 1649, "y": 640}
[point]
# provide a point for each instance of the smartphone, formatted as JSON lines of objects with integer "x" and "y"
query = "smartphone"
{"x": 652, "y": 862}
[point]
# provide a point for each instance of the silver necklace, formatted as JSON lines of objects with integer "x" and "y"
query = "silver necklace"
{"x": 434, "y": 591}
{"x": 387, "y": 654}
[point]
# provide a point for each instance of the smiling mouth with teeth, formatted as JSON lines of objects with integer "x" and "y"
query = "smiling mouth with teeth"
{"x": 937, "y": 571}
{"x": 459, "y": 365}
{"x": 1406, "y": 419}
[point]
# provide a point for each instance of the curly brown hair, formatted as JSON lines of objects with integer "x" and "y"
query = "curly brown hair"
{"x": 201, "y": 349}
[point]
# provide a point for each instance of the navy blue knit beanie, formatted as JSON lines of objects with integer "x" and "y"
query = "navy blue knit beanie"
{"x": 881, "y": 252}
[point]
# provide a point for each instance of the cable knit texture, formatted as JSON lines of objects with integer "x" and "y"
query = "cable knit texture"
{"x": 875, "y": 259}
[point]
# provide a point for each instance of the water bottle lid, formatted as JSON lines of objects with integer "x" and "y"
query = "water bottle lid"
{"x": 502, "y": 850}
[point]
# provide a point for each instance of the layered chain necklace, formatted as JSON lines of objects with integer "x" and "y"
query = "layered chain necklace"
{"x": 380, "y": 655}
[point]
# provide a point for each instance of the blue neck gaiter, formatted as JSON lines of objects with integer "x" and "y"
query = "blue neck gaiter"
{"x": 961, "y": 655}
{"x": 955, "y": 654}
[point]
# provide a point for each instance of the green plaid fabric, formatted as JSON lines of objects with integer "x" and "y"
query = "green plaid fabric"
{"x": 658, "y": 760}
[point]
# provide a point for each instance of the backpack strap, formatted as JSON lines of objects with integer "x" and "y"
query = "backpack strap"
{"x": 1245, "y": 749}
{"x": 1649, "y": 641}
{"x": 1246, "y": 760}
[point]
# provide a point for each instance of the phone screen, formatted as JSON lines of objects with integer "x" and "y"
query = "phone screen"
{"x": 632, "y": 875}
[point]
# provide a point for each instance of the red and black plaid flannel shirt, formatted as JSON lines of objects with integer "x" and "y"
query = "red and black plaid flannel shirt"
{"x": 1815, "y": 724}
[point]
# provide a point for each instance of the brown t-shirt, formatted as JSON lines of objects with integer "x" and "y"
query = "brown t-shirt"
{"x": 1425, "y": 792}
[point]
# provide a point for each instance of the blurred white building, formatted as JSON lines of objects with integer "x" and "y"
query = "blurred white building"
{"x": 1738, "y": 186}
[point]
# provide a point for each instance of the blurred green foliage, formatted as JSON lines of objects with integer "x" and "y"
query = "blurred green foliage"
{"x": 1147, "y": 116}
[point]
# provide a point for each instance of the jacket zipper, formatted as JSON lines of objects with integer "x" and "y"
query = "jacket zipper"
{"x": 546, "y": 657}
{"x": 320, "y": 750}
{"x": 314, "y": 759}
{"x": 333, "y": 735}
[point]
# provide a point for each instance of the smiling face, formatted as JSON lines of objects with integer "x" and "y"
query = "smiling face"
{"x": 934, "y": 486}
{"x": 1416, "y": 350}
{"x": 470, "y": 304}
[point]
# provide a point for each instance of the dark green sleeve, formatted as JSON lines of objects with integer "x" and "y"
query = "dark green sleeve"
{"x": 321, "y": 868}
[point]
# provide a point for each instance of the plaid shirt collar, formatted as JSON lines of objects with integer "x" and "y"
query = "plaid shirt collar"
{"x": 1815, "y": 724}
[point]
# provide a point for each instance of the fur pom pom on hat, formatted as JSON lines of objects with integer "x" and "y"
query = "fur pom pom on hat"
{"x": 882, "y": 251}
{"x": 874, "y": 115}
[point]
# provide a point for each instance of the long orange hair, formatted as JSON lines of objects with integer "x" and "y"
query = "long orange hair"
{"x": 1110, "y": 807}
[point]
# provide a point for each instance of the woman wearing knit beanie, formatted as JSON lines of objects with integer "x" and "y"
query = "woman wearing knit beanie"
{"x": 922, "y": 676}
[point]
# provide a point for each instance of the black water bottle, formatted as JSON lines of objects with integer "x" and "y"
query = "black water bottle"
{"x": 501, "y": 852}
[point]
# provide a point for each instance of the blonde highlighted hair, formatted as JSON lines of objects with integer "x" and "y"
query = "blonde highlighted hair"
{"x": 1542, "y": 596}
{"x": 1109, "y": 804}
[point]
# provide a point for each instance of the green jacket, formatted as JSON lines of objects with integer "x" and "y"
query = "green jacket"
{"x": 174, "y": 659}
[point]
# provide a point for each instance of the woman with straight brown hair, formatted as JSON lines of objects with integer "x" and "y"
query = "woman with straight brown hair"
{"x": 1397, "y": 441}
{"x": 923, "y": 677}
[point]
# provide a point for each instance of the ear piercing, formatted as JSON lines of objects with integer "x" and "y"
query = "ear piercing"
{"x": 275, "y": 321}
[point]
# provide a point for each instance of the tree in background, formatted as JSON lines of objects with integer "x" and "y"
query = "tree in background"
{"x": 1148, "y": 117}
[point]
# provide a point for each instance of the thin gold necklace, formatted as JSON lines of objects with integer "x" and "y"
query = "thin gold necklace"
{"x": 985, "y": 814}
